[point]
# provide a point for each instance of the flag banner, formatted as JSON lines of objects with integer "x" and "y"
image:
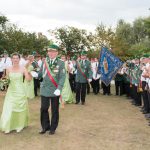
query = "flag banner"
{"x": 109, "y": 65}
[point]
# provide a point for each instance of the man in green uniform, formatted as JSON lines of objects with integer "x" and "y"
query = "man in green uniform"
{"x": 83, "y": 76}
{"x": 119, "y": 82}
{"x": 53, "y": 73}
{"x": 136, "y": 73}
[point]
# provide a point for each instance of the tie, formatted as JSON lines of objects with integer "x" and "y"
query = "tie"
{"x": 96, "y": 70}
{"x": 51, "y": 62}
{"x": 5, "y": 60}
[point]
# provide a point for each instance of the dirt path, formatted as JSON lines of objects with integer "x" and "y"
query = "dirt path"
{"x": 104, "y": 123}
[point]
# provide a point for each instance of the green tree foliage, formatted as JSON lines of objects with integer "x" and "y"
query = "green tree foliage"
{"x": 3, "y": 21}
{"x": 132, "y": 40}
{"x": 126, "y": 40}
{"x": 71, "y": 40}
{"x": 139, "y": 30}
{"x": 147, "y": 25}
{"x": 103, "y": 36}
{"x": 14, "y": 39}
{"x": 124, "y": 32}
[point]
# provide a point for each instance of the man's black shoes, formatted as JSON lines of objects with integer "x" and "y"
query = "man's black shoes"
{"x": 43, "y": 131}
{"x": 77, "y": 103}
{"x": 82, "y": 103}
{"x": 51, "y": 132}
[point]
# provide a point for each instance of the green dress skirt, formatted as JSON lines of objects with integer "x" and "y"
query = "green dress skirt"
{"x": 15, "y": 113}
{"x": 67, "y": 95}
{"x": 29, "y": 86}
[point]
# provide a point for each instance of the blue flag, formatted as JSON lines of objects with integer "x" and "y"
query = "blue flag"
{"x": 109, "y": 65}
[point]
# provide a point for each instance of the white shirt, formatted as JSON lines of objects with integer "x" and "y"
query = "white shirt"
{"x": 1, "y": 66}
{"x": 7, "y": 62}
{"x": 148, "y": 81}
{"x": 22, "y": 62}
{"x": 70, "y": 64}
{"x": 94, "y": 70}
{"x": 40, "y": 63}
{"x": 53, "y": 60}
{"x": 144, "y": 71}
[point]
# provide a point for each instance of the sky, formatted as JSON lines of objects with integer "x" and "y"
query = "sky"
{"x": 42, "y": 15}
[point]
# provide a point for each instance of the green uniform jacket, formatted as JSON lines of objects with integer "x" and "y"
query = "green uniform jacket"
{"x": 86, "y": 69}
{"x": 119, "y": 77}
{"x": 47, "y": 88}
{"x": 136, "y": 73}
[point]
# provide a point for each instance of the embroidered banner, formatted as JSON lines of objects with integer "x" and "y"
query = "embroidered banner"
{"x": 109, "y": 65}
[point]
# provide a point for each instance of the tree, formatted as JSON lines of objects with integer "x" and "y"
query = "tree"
{"x": 125, "y": 32}
{"x": 3, "y": 21}
{"x": 147, "y": 25}
{"x": 71, "y": 40}
{"x": 103, "y": 37}
{"x": 139, "y": 30}
{"x": 14, "y": 39}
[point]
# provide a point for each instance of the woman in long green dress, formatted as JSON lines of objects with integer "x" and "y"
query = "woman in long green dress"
{"x": 67, "y": 95}
{"x": 29, "y": 85}
{"x": 15, "y": 114}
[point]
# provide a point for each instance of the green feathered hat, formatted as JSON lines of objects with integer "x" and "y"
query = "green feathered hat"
{"x": 34, "y": 53}
{"x": 146, "y": 55}
{"x": 83, "y": 53}
{"x": 74, "y": 57}
{"x": 53, "y": 47}
{"x": 5, "y": 52}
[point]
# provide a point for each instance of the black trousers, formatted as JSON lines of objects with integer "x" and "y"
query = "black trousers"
{"x": 127, "y": 89}
{"x": 148, "y": 93}
{"x": 145, "y": 97}
{"x": 72, "y": 82}
{"x": 137, "y": 96}
{"x": 96, "y": 86}
{"x": 80, "y": 91}
{"x": 132, "y": 91}
{"x": 119, "y": 87}
{"x": 106, "y": 89}
{"x": 88, "y": 88}
{"x": 36, "y": 85}
{"x": 45, "y": 121}
{"x": 1, "y": 74}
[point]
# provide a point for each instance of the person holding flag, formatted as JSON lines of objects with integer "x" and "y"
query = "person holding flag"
{"x": 53, "y": 73}
{"x": 108, "y": 67}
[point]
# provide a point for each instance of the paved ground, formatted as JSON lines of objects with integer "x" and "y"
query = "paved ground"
{"x": 104, "y": 123}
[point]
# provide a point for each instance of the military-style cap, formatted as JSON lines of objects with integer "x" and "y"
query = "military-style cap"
{"x": 53, "y": 47}
{"x": 146, "y": 55}
{"x": 34, "y": 53}
{"x": 5, "y": 52}
{"x": 83, "y": 53}
{"x": 74, "y": 57}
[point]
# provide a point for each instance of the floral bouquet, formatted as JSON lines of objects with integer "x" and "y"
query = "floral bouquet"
{"x": 4, "y": 82}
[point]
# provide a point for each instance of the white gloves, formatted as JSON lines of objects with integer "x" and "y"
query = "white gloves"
{"x": 34, "y": 74}
{"x": 57, "y": 92}
{"x": 89, "y": 80}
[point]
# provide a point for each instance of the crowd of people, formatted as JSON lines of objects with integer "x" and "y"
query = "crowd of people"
{"x": 64, "y": 80}
{"x": 133, "y": 79}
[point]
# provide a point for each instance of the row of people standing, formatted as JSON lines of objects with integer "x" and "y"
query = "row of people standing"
{"x": 134, "y": 81}
{"x": 94, "y": 84}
